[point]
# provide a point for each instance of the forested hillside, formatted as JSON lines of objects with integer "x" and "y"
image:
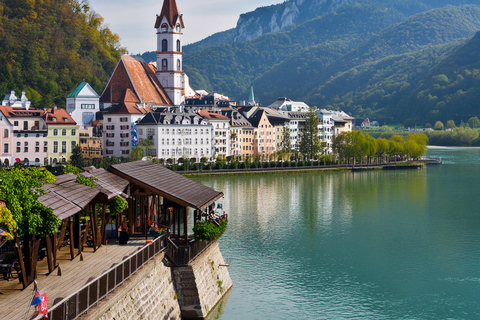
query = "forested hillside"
{"x": 448, "y": 91}
{"x": 48, "y": 47}
{"x": 358, "y": 58}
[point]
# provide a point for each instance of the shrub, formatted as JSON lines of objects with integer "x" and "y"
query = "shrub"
{"x": 209, "y": 230}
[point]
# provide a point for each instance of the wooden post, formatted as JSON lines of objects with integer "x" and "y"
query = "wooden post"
{"x": 54, "y": 244}
{"x": 62, "y": 234}
{"x": 93, "y": 214}
{"x": 104, "y": 225}
{"x": 72, "y": 249}
{"x": 50, "y": 262}
{"x": 185, "y": 223}
{"x": 23, "y": 280}
{"x": 87, "y": 225}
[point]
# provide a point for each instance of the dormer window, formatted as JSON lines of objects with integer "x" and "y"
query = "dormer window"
{"x": 65, "y": 119}
{"x": 164, "y": 27}
{"x": 177, "y": 27}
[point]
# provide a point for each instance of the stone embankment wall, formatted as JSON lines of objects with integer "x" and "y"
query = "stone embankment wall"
{"x": 161, "y": 292}
{"x": 147, "y": 295}
{"x": 202, "y": 284}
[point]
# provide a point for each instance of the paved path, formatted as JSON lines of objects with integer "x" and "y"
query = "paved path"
{"x": 14, "y": 302}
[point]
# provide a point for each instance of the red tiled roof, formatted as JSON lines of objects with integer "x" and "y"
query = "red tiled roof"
{"x": 129, "y": 105}
{"x": 19, "y": 112}
{"x": 140, "y": 78}
{"x": 170, "y": 12}
{"x": 57, "y": 115}
{"x": 211, "y": 115}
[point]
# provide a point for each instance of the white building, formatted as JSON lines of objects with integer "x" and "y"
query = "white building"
{"x": 12, "y": 101}
{"x": 176, "y": 136}
{"x": 285, "y": 104}
{"x": 82, "y": 104}
{"x": 119, "y": 124}
{"x": 221, "y": 132}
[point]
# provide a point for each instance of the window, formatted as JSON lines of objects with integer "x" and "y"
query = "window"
{"x": 164, "y": 64}
{"x": 64, "y": 146}
{"x": 110, "y": 127}
{"x": 64, "y": 132}
{"x": 179, "y": 49}
{"x": 87, "y": 106}
{"x": 164, "y": 27}
{"x": 74, "y": 132}
{"x": 179, "y": 65}
{"x": 74, "y": 143}
{"x": 164, "y": 45}
{"x": 125, "y": 151}
{"x": 124, "y": 119}
{"x": 25, "y": 125}
{"x": 55, "y": 132}
{"x": 5, "y": 133}
{"x": 109, "y": 151}
{"x": 140, "y": 131}
{"x": 5, "y": 148}
{"x": 109, "y": 119}
{"x": 124, "y": 135}
{"x": 124, "y": 127}
{"x": 124, "y": 144}
{"x": 15, "y": 123}
{"x": 18, "y": 149}
{"x": 55, "y": 146}
{"x": 110, "y": 135}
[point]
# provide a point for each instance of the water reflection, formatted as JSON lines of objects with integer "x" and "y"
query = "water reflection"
{"x": 342, "y": 245}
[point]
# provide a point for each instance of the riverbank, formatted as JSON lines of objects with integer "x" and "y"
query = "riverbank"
{"x": 344, "y": 167}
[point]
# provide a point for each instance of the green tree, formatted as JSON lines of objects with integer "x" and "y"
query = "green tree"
{"x": 137, "y": 153}
{"x": 310, "y": 143}
{"x": 451, "y": 124}
{"x": 474, "y": 122}
{"x": 285, "y": 144}
{"x": 438, "y": 125}
{"x": 76, "y": 158}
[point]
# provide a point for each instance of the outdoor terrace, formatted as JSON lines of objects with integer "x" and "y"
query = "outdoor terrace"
{"x": 75, "y": 274}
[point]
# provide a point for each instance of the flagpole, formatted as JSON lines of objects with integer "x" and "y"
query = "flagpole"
{"x": 35, "y": 288}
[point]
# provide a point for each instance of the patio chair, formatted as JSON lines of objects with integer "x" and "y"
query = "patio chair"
{"x": 10, "y": 263}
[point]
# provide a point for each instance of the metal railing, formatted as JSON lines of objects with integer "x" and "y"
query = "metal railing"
{"x": 182, "y": 255}
{"x": 97, "y": 289}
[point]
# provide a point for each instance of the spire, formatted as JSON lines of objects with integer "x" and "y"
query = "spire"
{"x": 171, "y": 13}
{"x": 252, "y": 96}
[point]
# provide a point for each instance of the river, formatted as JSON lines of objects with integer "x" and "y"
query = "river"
{"x": 367, "y": 245}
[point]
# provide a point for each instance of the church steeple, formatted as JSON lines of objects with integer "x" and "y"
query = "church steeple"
{"x": 169, "y": 25}
{"x": 171, "y": 13}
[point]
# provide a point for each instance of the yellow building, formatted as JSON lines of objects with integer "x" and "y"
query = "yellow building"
{"x": 62, "y": 137}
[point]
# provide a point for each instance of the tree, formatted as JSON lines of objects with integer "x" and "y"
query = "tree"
{"x": 438, "y": 125}
{"x": 285, "y": 144}
{"x": 137, "y": 153}
{"x": 474, "y": 122}
{"x": 310, "y": 143}
{"x": 451, "y": 124}
{"x": 20, "y": 189}
{"x": 77, "y": 158}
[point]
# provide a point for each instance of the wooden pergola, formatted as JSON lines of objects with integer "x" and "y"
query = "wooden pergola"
{"x": 160, "y": 195}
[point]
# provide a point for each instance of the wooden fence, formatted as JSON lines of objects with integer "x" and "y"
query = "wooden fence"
{"x": 82, "y": 300}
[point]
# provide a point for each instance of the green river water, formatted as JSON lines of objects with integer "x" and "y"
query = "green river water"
{"x": 339, "y": 245}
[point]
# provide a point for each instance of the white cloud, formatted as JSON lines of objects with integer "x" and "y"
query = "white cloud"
{"x": 133, "y": 21}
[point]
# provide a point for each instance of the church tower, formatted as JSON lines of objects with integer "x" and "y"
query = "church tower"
{"x": 170, "y": 73}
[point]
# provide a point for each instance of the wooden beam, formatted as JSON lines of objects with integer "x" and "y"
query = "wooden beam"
{"x": 50, "y": 262}
{"x": 54, "y": 244}
{"x": 20, "y": 259}
{"x": 62, "y": 234}
{"x": 104, "y": 225}
{"x": 93, "y": 218}
{"x": 85, "y": 235}
{"x": 72, "y": 249}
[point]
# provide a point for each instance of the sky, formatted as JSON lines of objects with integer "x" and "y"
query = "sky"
{"x": 133, "y": 21}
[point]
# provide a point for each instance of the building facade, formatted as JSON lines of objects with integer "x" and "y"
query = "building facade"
{"x": 83, "y": 103}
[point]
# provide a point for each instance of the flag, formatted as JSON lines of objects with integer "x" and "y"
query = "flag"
{"x": 37, "y": 299}
{"x": 41, "y": 304}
